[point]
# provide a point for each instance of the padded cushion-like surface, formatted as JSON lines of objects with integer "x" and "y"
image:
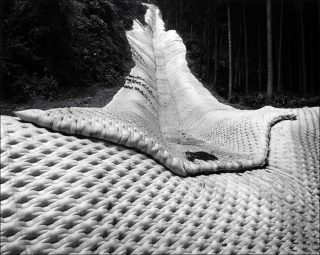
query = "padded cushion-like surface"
{"x": 165, "y": 112}
{"x": 65, "y": 194}
{"x": 62, "y": 193}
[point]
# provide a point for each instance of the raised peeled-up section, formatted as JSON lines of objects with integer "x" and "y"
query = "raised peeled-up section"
{"x": 166, "y": 113}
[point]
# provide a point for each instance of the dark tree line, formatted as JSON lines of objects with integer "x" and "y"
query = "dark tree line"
{"x": 50, "y": 45}
{"x": 241, "y": 47}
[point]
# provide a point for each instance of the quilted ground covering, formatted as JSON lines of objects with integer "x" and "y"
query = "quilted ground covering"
{"x": 66, "y": 189}
{"x": 62, "y": 194}
{"x": 165, "y": 112}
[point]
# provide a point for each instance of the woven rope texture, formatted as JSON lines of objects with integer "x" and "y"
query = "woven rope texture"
{"x": 165, "y": 112}
{"x": 69, "y": 185}
{"x": 65, "y": 194}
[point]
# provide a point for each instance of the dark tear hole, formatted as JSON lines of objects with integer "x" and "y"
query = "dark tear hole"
{"x": 202, "y": 155}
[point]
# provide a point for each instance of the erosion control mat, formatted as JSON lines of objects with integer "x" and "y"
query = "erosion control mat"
{"x": 68, "y": 194}
{"x": 166, "y": 113}
{"x": 64, "y": 194}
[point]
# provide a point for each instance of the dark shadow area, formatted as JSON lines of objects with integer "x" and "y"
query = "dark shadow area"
{"x": 51, "y": 48}
{"x": 252, "y": 53}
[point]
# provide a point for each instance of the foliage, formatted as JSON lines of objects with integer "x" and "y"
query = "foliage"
{"x": 58, "y": 44}
{"x": 257, "y": 100}
{"x": 203, "y": 25}
{"x": 29, "y": 86}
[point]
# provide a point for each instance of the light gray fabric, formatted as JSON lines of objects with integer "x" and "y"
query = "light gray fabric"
{"x": 62, "y": 194}
{"x": 165, "y": 112}
{"x": 67, "y": 194}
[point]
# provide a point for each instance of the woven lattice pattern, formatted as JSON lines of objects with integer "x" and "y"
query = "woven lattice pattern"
{"x": 165, "y": 112}
{"x": 65, "y": 194}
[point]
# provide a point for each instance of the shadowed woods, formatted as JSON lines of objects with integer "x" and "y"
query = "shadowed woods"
{"x": 54, "y": 51}
{"x": 252, "y": 52}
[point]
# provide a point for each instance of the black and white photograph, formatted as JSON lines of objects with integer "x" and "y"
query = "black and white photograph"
{"x": 159, "y": 127}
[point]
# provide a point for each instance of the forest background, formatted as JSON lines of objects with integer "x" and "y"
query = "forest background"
{"x": 251, "y": 52}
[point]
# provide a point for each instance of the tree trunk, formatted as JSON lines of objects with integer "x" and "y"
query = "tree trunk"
{"x": 312, "y": 83}
{"x": 177, "y": 15}
{"x": 239, "y": 76}
{"x": 318, "y": 60}
{"x": 230, "y": 53}
{"x": 259, "y": 55}
{"x": 201, "y": 51}
{"x": 208, "y": 54}
{"x": 245, "y": 46}
{"x": 180, "y": 14}
{"x": 215, "y": 47}
{"x": 291, "y": 88}
{"x": 269, "y": 51}
{"x": 1, "y": 47}
{"x": 303, "y": 54}
{"x": 280, "y": 50}
{"x": 299, "y": 72}
{"x": 237, "y": 66}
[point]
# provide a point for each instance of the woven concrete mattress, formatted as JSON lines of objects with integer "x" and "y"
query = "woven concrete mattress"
{"x": 66, "y": 188}
{"x": 64, "y": 194}
{"x": 165, "y": 112}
